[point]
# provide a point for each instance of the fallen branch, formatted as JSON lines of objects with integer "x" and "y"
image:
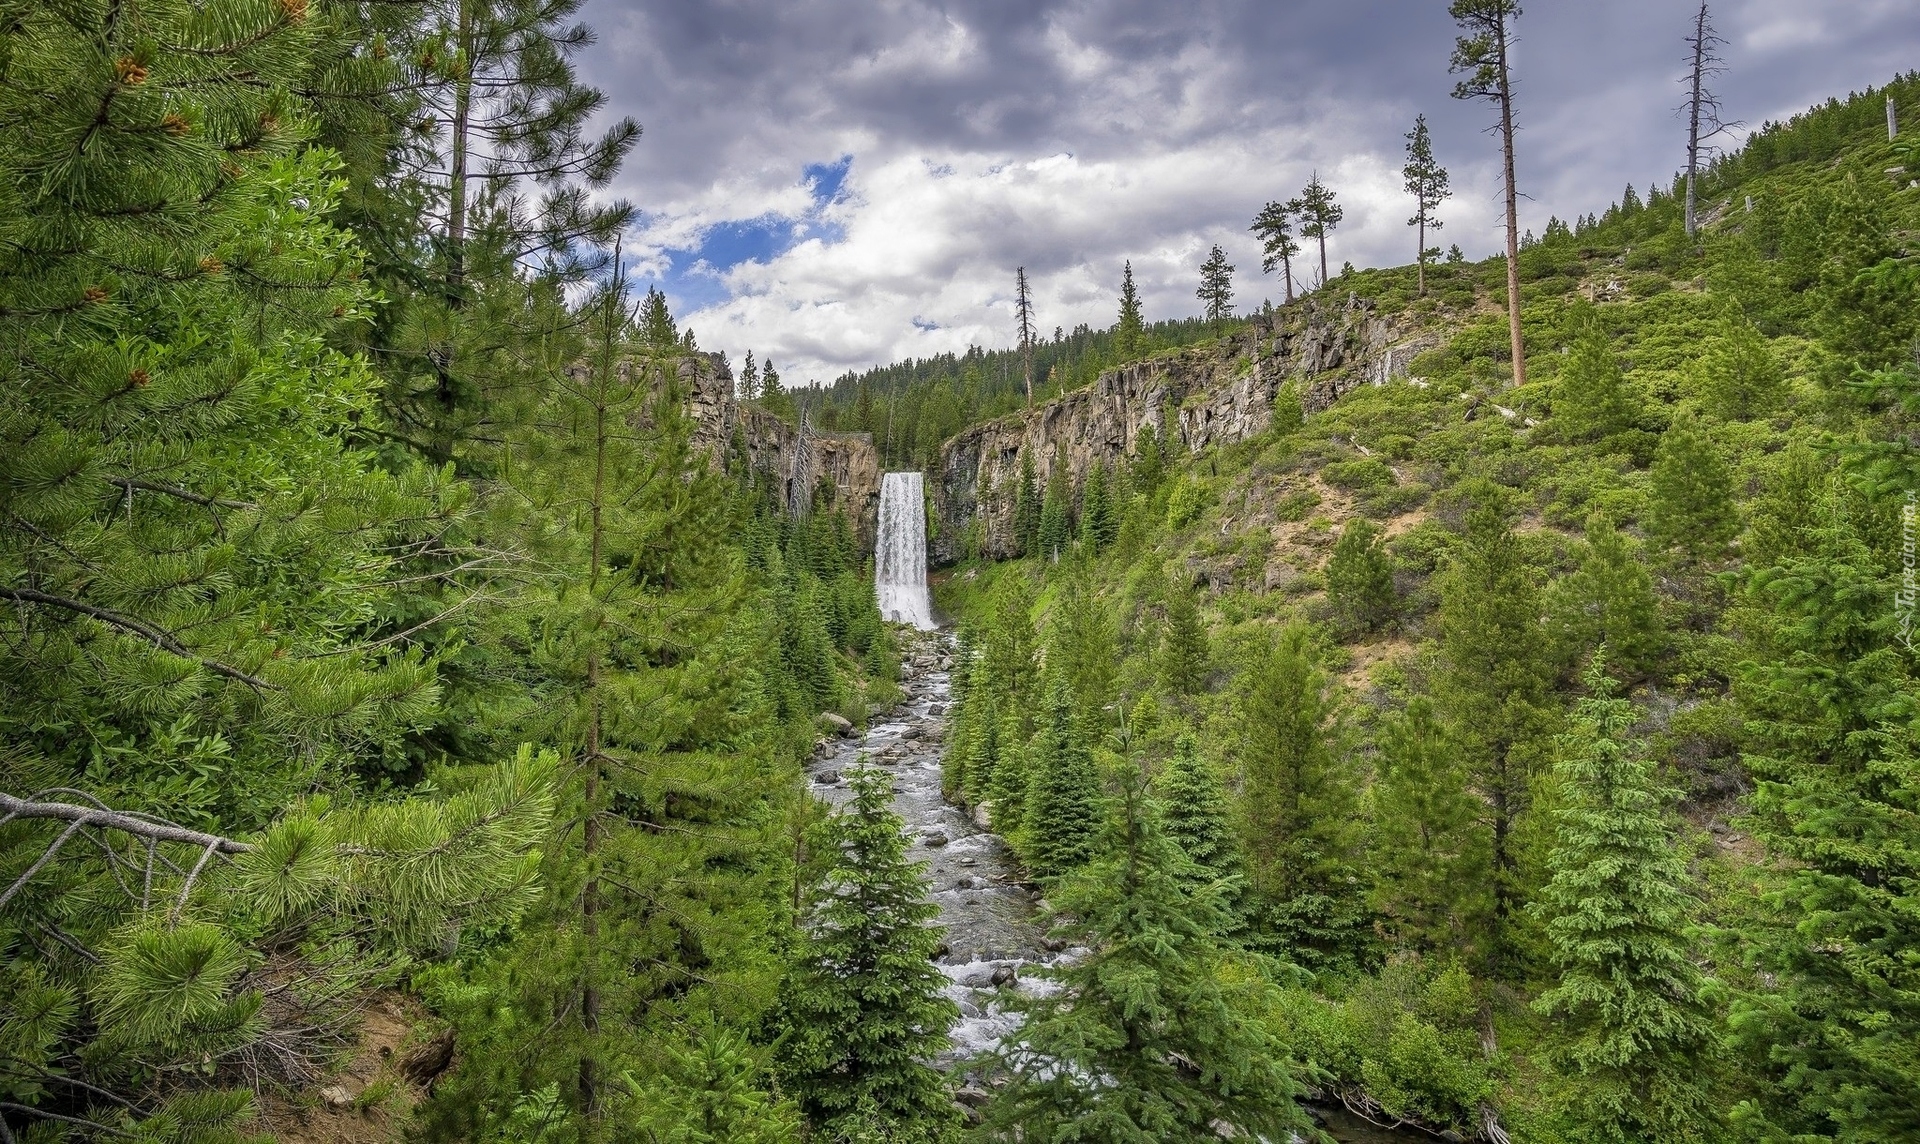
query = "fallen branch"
{"x": 82, "y": 817}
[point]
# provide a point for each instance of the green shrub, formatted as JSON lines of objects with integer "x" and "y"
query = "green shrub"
{"x": 1362, "y": 475}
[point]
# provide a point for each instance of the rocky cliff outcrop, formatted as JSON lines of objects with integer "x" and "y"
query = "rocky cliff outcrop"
{"x": 1209, "y": 395}
{"x": 800, "y": 463}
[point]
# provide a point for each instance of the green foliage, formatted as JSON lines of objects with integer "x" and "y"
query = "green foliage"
{"x": 1492, "y": 691}
{"x": 1129, "y": 333}
{"x": 1432, "y": 847}
{"x": 1299, "y": 800}
{"x": 1063, "y": 804}
{"x": 1691, "y": 509}
{"x": 1274, "y": 226}
{"x": 1319, "y": 213}
{"x": 1144, "y": 1040}
{"x": 1630, "y": 1002}
{"x": 1360, "y": 578}
{"x": 1216, "y": 287}
{"x": 1739, "y": 378}
{"x": 1592, "y": 400}
{"x": 1609, "y": 600}
{"x": 1055, "y": 529}
{"x": 1184, "y": 653}
{"x": 1194, "y": 806}
{"x": 862, "y": 1009}
{"x": 1099, "y": 517}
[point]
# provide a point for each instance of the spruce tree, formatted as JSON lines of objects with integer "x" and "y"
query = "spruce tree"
{"x": 1360, "y": 578}
{"x": 1196, "y": 812}
{"x": 1026, "y": 509}
{"x": 1591, "y": 399}
{"x": 1216, "y": 287}
{"x": 1319, "y": 213}
{"x": 1129, "y": 334}
{"x": 1099, "y": 519}
{"x": 1299, "y": 798}
{"x": 1608, "y": 600}
{"x": 862, "y": 1009}
{"x": 1274, "y": 225}
{"x": 1690, "y": 494}
{"x": 1063, "y": 808}
{"x": 749, "y": 379}
{"x": 1632, "y": 1018}
{"x": 1055, "y": 528}
{"x": 1832, "y": 1022}
{"x": 1183, "y": 645}
{"x": 1083, "y": 649}
{"x": 1431, "y": 846}
{"x": 1492, "y": 691}
{"x": 1143, "y": 1041}
{"x": 1426, "y": 181}
{"x": 1739, "y": 378}
{"x": 656, "y": 322}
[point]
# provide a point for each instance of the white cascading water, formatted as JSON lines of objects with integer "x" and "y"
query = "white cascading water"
{"x": 900, "y": 551}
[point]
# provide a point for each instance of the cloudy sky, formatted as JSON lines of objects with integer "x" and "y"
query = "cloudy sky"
{"x": 840, "y": 183}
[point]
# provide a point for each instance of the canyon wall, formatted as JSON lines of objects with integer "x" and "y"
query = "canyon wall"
{"x": 798, "y": 463}
{"x": 1214, "y": 394}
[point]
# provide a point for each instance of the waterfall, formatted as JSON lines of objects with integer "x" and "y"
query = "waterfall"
{"x": 900, "y": 552}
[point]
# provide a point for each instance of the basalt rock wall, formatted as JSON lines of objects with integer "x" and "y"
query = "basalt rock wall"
{"x": 1208, "y": 395}
{"x": 798, "y": 463}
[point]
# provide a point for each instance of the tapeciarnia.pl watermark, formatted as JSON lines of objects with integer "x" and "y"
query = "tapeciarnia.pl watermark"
{"x": 1904, "y": 600}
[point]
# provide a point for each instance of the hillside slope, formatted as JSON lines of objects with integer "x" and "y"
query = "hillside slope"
{"x": 1385, "y": 604}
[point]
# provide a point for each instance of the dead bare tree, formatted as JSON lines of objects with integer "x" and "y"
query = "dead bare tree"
{"x": 1484, "y": 56}
{"x": 1702, "y": 108}
{"x": 1024, "y": 301}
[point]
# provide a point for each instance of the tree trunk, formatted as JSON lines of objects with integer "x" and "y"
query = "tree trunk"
{"x": 1693, "y": 113}
{"x": 457, "y": 168}
{"x": 1323, "y": 257}
{"x": 1513, "y": 216}
{"x": 1420, "y": 256}
{"x": 590, "y": 834}
{"x": 1286, "y": 267}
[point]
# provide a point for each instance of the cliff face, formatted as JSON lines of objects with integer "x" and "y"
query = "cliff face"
{"x": 1209, "y": 395}
{"x": 799, "y": 464}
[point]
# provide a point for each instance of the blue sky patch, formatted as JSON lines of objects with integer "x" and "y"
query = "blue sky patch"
{"x": 695, "y": 277}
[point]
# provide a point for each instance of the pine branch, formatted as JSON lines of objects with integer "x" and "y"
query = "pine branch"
{"x": 132, "y": 483}
{"x": 159, "y": 637}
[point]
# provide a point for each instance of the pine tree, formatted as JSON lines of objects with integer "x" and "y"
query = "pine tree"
{"x": 1274, "y": 225}
{"x": 863, "y": 1010}
{"x": 1432, "y": 847}
{"x": 1055, "y": 530}
{"x": 1591, "y": 400}
{"x": 1426, "y": 181}
{"x": 656, "y": 322}
{"x": 749, "y": 379}
{"x": 489, "y": 179}
{"x": 1026, "y": 509}
{"x": 1690, "y": 502}
{"x": 1635, "y": 1025}
{"x": 1492, "y": 688}
{"x": 1183, "y": 646}
{"x": 1831, "y": 751}
{"x": 1483, "y": 55}
{"x": 1299, "y": 796}
{"x": 1318, "y": 213}
{"x": 1360, "y": 578}
{"x": 711, "y": 1091}
{"x": 1609, "y": 600}
{"x": 1739, "y": 378}
{"x": 1063, "y": 807}
{"x": 1143, "y": 1041}
{"x": 1196, "y": 812}
{"x": 1129, "y": 335}
{"x": 1023, "y": 311}
{"x": 1216, "y": 287}
{"x": 1099, "y": 520}
{"x": 1083, "y": 649}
